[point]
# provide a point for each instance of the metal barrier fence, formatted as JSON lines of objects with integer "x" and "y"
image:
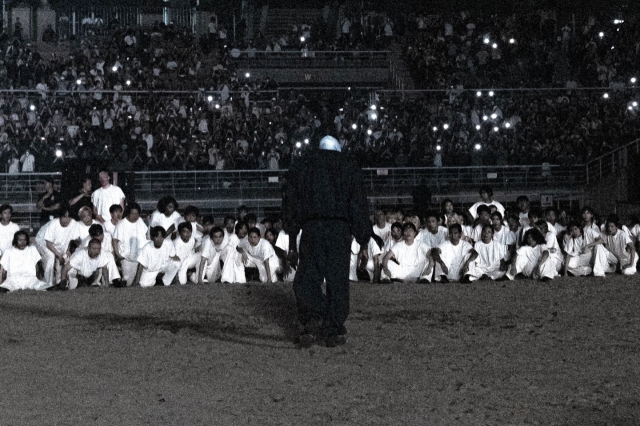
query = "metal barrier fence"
{"x": 310, "y": 59}
{"x": 612, "y": 162}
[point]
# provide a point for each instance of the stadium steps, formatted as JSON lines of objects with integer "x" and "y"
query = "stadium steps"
{"x": 281, "y": 21}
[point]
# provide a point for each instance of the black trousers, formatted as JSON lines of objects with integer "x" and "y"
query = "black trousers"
{"x": 325, "y": 249}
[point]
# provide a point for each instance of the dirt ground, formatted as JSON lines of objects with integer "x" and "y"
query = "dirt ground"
{"x": 515, "y": 353}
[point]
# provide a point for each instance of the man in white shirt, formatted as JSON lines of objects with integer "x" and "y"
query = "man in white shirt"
{"x": 157, "y": 256}
{"x": 452, "y": 257}
{"x": 185, "y": 250}
{"x": 105, "y": 196}
{"x": 58, "y": 234}
{"x": 213, "y": 248}
{"x": 89, "y": 266}
{"x": 129, "y": 237}
{"x": 7, "y": 228}
{"x": 486, "y": 195}
{"x": 408, "y": 260}
{"x": 260, "y": 254}
{"x": 382, "y": 228}
{"x": 433, "y": 235}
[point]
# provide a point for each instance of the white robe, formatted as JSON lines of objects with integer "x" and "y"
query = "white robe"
{"x": 453, "y": 257}
{"x": 413, "y": 262}
{"x": 488, "y": 260}
{"x": 21, "y": 269}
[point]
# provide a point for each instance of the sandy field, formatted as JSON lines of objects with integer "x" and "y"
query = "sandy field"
{"x": 515, "y": 353}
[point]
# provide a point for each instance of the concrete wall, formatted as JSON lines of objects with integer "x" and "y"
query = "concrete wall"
{"x": 44, "y": 17}
{"x": 22, "y": 13}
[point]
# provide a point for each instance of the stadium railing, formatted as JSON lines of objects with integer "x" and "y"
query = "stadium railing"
{"x": 611, "y": 162}
{"x": 311, "y": 59}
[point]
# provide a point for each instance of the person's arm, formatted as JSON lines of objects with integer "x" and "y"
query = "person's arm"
{"x": 266, "y": 266}
{"x": 632, "y": 256}
{"x": 64, "y": 275}
{"x": 385, "y": 261}
{"x": 2, "y": 271}
{"x": 54, "y": 250}
{"x": 105, "y": 277}
{"x": 115, "y": 243}
{"x": 543, "y": 258}
{"x": 202, "y": 268}
{"x": 473, "y": 256}
{"x": 136, "y": 280}
{"x": 435, "y": 255}
{"x": 376, "y": 269}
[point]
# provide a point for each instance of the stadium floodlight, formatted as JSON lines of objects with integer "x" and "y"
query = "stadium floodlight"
{"x": 606, "y": 96}
{"x": 210, "y": 98}
{"x": 478, "y": 127}
{"x": 354, "y": 126}
{"x": 217, "y": 106}
{"x": 58, "y": 152}
{"x": 494, "y": 45}
{"x": 445, "y": 126}
{"x": 477, "y": 147}
{"x": 435, "y": 128}
{"x": 32, "y": 107}
{"x": 369, "y": 132}
{"x": 298, "y": 145}
{"x": 512, "y": 41}
{"x": 247, "y": 75}
{"x": 601, "y": 34}
{"x": 306, "y": 141}
{"x": 630, "y": 108}
{"x": 485, "y": 118}
{"x": 302, "y": 39}
{"x": 374, "y": 116}
{"x": 613, "y": 47}
{"x": 438, "y": 147}
{"x": 494, "y": 116}
{"x": 128, "y": 82}
{"x": 374, "y": 107}
{"x": 114, "y": 68}
{"x": 496, "y": 129}
{"x": 78, "y": 82}
{"x": 634, "y": 103}
{"x": 491, "y": 93}
{"x": 486, "y": 40}
{"x": 633, "y": 80}
{"x": 478, "y": 93}
{"x": 507, "y": 125}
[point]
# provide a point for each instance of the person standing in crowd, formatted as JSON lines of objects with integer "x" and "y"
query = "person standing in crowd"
{"x": 325, "y": 197}
{"x": 7, "y": 228}
{"x": 49, "y": 202}
{"x": 105, "y": 196}
{"x": 83, "y": 198}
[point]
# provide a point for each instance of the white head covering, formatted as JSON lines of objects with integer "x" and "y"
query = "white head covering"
{"x": 330, "y": 143}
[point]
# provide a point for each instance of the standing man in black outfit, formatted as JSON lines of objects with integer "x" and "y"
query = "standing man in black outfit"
{"x": 325, "y": 198}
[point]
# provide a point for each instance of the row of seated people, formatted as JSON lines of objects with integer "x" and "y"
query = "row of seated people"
{"x": 488, "y": 242}
{"x": 176, "y": 249}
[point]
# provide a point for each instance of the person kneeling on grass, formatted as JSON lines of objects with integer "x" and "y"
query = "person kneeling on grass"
{"x": 578, "y": 253}
{"x": 158, "y": 256}
{"x": 408, "y": 260}
{"x": 88, "y": 267}
{"x": 185, "y": 247}
{"x": 451, "y": 258}
{"x": 621, "y": 252}
{"x": 212, "y": 255}
{"x": 21, "y": 263}
{"x": 260, "y": 254}
{"x": 532, "y": 259}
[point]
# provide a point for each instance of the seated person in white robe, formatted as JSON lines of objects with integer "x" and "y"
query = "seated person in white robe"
{"x": 491, "y": 258}
{"x": 233, "y": 268}
{"x": 621, "y": 252}
{"x": 166, "y": 215}
{"x": 288, "y": 272}
{"x": 260, "y": 254}
{"x": 394, "y": 238}
{"x": 555, "y": 254}
{"x": 502, "y": 234}
{"x": 191, "y": 214}
{"x": 86, "y": 220}
{"x": 185, "y": 246}
{"x": 8, "y": 229}
{"x": 451, "y": 258}
{"x": 158, "y": 256}
{"x": 369, "y": 263}
{"x": 90, "y": 266}
{"x": 129, "y": 237}
{"x": 21, "y": 263}
{"x": 408, "y": 260}
{"x": 532, "y": 259}
{"x": 486, "y": 195}
{"x": 578, "y": 253}
{"x": 484, "y": 218}
{"x": 115, "y": 211}
{"x": 211, "y": 255}
{"x": 433, "y": 235}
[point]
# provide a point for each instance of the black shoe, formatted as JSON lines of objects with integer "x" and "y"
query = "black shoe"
{"x": 307, "y": 340}
{"x": 545, "y": 279}
{"x": 484, "y": 277}
{"x": 466, "y": 279}
{"x": 3, "y": 290}
{"x": 335, "y": 340}
{"x": 444, "y": 279}
{"x": 423, "y": 281}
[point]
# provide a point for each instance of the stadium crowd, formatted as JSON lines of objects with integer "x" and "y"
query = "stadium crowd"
{"x": 110, "y": 99}
{"x": 98, "y": 238}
